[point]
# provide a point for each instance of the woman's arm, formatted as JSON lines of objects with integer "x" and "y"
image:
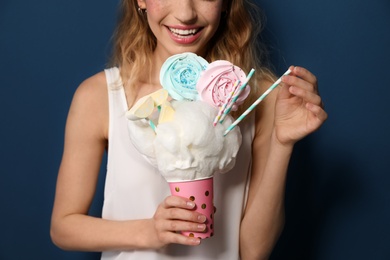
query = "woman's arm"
{"x": 282, "y": 120}
{"x": 85, "y": 142}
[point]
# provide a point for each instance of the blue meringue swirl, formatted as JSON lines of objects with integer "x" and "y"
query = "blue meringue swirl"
{"x": 180, "y": 73}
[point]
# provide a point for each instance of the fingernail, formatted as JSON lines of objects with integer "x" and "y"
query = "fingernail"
{"x": 201, "y": 227}
{"x": 191, "y": 204}
{"x": 202, "y": 218}
{"x": 195, "y": 241}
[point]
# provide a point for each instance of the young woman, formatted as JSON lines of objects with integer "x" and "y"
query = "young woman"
{"x": 140, "y": 219}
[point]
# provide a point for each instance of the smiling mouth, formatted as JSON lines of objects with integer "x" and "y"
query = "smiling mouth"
{"x": 184, "y": 33}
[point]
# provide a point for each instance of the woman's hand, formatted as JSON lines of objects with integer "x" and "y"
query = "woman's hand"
{"x": 299, "y": 109}
{"x": 176, "y": 214}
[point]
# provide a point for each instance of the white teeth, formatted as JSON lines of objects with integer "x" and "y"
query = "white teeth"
{"x": 183, "y": 32}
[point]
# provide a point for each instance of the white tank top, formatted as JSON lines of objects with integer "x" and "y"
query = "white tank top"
{"x": 134, "y": 188}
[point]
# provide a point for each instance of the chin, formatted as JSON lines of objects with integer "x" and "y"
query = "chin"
{"x": 179, "y": 50}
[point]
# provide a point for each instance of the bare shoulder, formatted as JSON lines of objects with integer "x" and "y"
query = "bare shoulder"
{"x": 90, "y": 103}
{"x": 92, "y": 90}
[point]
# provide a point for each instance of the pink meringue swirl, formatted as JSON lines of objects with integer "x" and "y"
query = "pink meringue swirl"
{"x": 216, "y": 83}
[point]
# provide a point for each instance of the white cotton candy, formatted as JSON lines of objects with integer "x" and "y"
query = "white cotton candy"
{"x": 189, "y": 147}
{"x": 142, "y": 136}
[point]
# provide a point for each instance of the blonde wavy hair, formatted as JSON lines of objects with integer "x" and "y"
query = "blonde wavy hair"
{"x": 236, "y": 40}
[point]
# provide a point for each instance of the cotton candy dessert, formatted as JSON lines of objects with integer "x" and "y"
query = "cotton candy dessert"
{"x": 174, "y": 127}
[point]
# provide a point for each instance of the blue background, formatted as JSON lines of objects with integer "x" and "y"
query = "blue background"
{"x": 337, "y": 196}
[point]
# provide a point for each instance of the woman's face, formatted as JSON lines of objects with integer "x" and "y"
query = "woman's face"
{"x": 182, "y": 25}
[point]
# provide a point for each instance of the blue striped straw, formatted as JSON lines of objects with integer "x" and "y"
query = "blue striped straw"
{"x": 152, "y": 125}
{"x": 226, "y": 103}
{"x": 250, "y": 109}
{"x": 236, "y": 95}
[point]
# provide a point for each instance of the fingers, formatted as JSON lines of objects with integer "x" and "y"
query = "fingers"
{"x": 294, "y": 80}
{"x": 178, "y": 205}
{"x": 303, "y": 74}
{"x": 177, "y": 214}
{"x": 177, "y": 202}
{"x": 175, "y": 238}
{"x": 318, "y": 111}
{"x": 303, "y": 84}
{"x": 307, "y": 95}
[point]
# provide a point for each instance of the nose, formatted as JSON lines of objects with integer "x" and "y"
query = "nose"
{"x": 186, "y": 11}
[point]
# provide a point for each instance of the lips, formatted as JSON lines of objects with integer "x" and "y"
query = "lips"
{"x": 184, "y": 35}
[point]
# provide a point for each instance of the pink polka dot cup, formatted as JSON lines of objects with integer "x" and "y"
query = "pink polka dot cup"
{"x": 200, "y": 192}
